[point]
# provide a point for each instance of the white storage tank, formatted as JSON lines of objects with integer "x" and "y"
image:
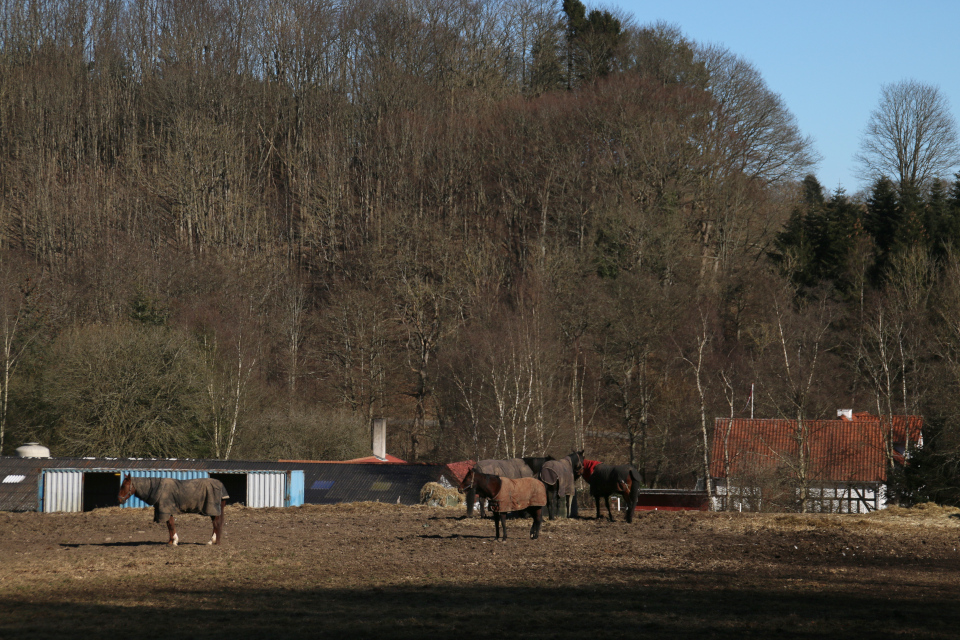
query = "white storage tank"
{"x": 33, "y": 450}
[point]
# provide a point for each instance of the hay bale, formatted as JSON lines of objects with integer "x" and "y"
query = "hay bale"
{"x": 434, "y": 494}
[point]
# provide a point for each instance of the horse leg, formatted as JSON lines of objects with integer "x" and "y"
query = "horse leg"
{"x": 552, "y": 506}
{"x": 597, "y": 500}
{"x": 218, "y": 525}
{"x": 174, "y": 538}
{"x": 496, "y": 524}
{"x": 471, "y": 497}
{"x": 606, "y": 500}
{"x": 631, "y": 501}
{"x": 537, "y": 513}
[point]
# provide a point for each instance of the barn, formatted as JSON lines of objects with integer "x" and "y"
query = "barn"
{"x": 83, "y": 484}
{"x": 841, "y": 465}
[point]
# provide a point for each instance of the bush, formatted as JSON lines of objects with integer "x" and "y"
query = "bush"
{"x": 309, "y": 433}
{"x": 122, "y": 391}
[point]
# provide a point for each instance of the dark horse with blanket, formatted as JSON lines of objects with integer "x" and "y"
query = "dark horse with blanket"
{"x": 605, "y": 479}
{"x": 170, "y": 497}
{"x": 513, "y": 468}
{"x": 507, "y": 495}
{"x": 559, "y": 477}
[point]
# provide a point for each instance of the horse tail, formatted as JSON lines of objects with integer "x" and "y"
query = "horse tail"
{"x": 634, "y": 494}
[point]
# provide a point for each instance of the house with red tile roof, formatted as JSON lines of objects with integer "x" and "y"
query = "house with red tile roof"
{"x": 834, "y": 466}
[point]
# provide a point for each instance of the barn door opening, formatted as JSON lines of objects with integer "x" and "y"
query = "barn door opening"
{"x": 235, "y": 484}
{"x": 100, "y": 490}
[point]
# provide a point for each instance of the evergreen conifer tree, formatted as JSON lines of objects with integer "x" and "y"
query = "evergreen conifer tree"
{"x": 592, "y": 42}
{"x": 883, "y": 221}
{"x": 940, "y": 225}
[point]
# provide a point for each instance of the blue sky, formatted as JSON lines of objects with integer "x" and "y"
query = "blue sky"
{"x": 827, "y": 60}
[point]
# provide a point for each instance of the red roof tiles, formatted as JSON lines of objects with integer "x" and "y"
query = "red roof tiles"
{"x": 460, "y": 469}
{"x": 842, "y": 450}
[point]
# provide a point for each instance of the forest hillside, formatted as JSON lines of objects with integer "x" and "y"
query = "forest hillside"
{"x": 246, "y": 228}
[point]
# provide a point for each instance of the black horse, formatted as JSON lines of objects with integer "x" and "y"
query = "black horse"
{"x": 513, "y": 468}
{"x": 606, "y": 479}
{"x": 559, "y": 477}
{"x": 507, "y": 495}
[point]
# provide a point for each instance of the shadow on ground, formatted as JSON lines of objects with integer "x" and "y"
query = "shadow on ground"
{"x": 484, "y": 612}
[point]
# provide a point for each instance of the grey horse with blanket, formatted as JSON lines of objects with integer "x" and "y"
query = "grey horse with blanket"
{"x": 559, "y": 477}
{"x": 170, "y": 497}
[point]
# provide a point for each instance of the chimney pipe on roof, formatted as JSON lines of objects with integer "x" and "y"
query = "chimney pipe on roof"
{"x": 379, "y": 437}
{"x": 845, "y": 414}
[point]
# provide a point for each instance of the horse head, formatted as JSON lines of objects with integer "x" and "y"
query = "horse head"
{"x": 577, "y": 459}
{"x": 126, "y": 489}
{"x": 467, "y": 482}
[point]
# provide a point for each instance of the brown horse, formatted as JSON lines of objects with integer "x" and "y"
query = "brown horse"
{"x": 205, "y": 496}
{"x": 506, "y": 495}
{"x": 513, "y": 468}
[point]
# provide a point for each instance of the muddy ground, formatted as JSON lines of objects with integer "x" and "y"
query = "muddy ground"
{"x": 388, "y": 571}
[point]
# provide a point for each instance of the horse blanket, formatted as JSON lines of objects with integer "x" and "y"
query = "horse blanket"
{"x": 603, "y": 478}
{"x": 513, "y": 468}
{"x": 516, "y": 495}
{"x": 588, "y": 467}
{"x": 559, "y": 471}
{"x": 173, "y": 497}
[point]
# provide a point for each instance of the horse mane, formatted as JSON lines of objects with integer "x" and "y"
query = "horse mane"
{"x": 536, "y": 463}
{"x": 576, "y": 456}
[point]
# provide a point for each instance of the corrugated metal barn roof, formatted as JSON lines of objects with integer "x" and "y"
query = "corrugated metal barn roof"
{"x": 324, "y": 482}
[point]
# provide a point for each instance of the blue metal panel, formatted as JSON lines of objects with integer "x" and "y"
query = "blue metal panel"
{"x": 294, "y": 496}
{"x": 133, "y": 502}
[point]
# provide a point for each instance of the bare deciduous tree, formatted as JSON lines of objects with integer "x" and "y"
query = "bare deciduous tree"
{"x": 755, "y": 132}
{"x": 911, "y": 135}
{"x": 19, "y": 328}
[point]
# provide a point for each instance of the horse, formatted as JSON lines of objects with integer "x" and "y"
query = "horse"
{"x": 605, "y": 479}
{"x": 513, "y": 468}
{"x": 536, "y": 464}
{"x": 507, "y": 495}
{"x": 559, "y": 477}
{"x": 170, "y": 497}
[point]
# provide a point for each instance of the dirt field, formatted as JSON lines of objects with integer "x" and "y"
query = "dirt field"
{"x": 386, "y": 571}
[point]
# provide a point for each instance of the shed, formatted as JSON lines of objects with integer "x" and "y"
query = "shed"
{"x": 84, "y": 489}
{"x": 82, "y": 484}
{"x": 95, "y": 482}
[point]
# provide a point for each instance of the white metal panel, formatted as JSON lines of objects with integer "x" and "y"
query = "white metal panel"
{"x": 62, "y": 491}
{"x": 266, "y": 489}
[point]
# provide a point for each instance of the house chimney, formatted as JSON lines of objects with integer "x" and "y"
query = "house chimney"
{"x": 845, "y": 414}
{"x": 379, "y": 437}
